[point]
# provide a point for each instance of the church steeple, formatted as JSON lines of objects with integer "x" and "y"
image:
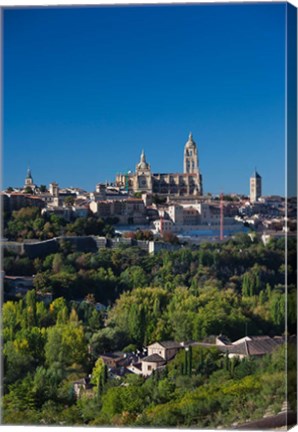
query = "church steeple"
{"x": 28, "y": 179}
{"x": 29, "y": 175}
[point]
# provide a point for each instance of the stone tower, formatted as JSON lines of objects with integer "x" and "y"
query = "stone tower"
{"x": 191, "y": 163}
{"x": 255, "y": 186}
{"x": 54, "y": 191}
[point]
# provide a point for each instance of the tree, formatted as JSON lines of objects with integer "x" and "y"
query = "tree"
{"x": 134, "y": 277}
{"x": 42, "y": 281}
{"x": 99, "y": 376}
{"x": 69, "y": 201}
{"x": 30, "y": 310}
{"x": 18, "y": 360}
{"x": 28, "y": 190}
{"x": 57, "y": 263}
{"x": 136, "y": 323}
{"x": 10, "y": 320}
{"x": 66, "y": 345}
{"x": 43, "y": 188}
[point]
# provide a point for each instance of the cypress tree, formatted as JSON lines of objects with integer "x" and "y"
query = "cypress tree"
{"x": 185, "y": 370}
{"x": 190, "y": 361}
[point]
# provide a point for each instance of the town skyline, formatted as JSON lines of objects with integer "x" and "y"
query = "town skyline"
{"x": 83, "y": 105}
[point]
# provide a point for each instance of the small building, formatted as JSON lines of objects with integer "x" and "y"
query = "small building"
{"x": 163, "y": 225}
{"x": 114, "y": 359}
{"x": 167, "y": 349}
{"x": 151, "y": 363}
{"x": 83, "y": 386}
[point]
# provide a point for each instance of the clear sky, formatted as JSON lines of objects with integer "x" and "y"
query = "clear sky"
{"x": 86, "y": 89}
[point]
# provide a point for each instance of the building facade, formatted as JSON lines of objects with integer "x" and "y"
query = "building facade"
{"x": 143, "y": 180}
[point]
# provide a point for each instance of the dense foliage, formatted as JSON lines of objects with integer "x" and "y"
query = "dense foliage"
{"x": 230, "y": 288}
{"x": 29, "y": 223}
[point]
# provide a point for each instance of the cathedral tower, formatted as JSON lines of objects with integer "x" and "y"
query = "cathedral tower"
{"x": 191, "y": 164}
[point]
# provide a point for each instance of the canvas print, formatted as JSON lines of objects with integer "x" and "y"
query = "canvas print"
{"x": 149, "y": 216}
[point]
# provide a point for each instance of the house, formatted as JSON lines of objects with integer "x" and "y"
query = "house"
{"x": 250, "y": 346}
{"x": 114, "y": 359}
{"x": 152, "y": 362}
{"x": 167, "y": 349}
{"x": 158, "y": 354}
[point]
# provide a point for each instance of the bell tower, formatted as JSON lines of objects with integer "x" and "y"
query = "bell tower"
{"x": 191, "y": 165}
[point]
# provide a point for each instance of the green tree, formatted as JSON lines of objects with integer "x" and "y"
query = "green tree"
{"x": 43, "y": 188}
{"x": 66, "y": 345}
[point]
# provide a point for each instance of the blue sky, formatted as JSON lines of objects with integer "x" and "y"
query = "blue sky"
{"x": 86, "y": 89}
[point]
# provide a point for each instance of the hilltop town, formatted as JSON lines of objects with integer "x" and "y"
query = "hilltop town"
{"x": 162, "y": 203}
{"x": 147, "y": 303}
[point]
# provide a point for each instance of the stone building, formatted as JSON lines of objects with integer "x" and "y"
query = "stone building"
{"x": 128, "y": 211}
{"x": 188, "y": 183}
{"x": 255, "y": 186}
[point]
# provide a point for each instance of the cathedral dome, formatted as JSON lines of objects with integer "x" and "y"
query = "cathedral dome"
{"x": 190, "y": 142}
{"x": 143, "y": 165}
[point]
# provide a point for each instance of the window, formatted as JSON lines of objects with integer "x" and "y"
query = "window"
{"x": 149, "y": 367}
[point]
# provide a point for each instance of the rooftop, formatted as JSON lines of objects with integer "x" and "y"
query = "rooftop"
{"x": 154, "y": 358}
{"x": 252, "y": 346}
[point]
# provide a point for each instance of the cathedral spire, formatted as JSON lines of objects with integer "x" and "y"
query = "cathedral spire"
{"x": 143, "y": 157}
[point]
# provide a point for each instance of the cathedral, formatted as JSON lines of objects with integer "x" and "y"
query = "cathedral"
{"x": 188, "y": 183}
